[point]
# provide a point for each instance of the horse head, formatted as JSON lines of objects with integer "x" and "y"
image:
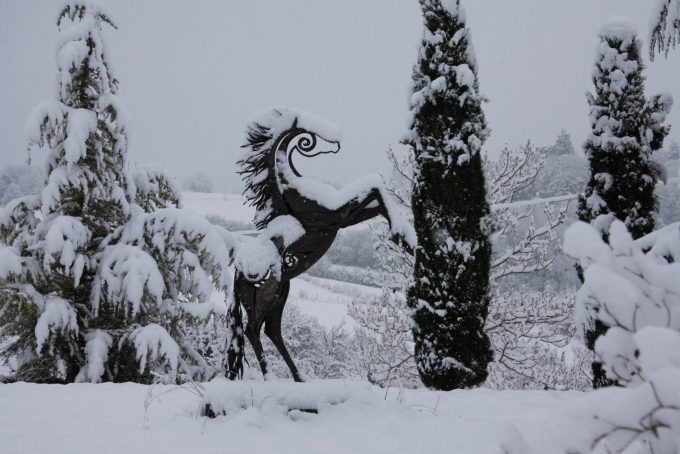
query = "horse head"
{"x": 276, "y": 138}
{"x": 298, "y": 142}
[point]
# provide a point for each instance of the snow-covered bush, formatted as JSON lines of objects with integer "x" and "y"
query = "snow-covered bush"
{"x": 383, "y": 341}
{"x": 102, "y": 277}
{"x": 637, "y": 296}
{"x": 533, "y": 337}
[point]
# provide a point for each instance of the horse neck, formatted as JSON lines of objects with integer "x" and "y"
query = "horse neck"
{"x": 280, "y": 175}
{"x": 283, "y": 168}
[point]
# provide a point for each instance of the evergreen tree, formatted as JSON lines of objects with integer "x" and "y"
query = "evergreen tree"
{"x": 101, "y": 277}
{"x": 626, "y": 129}
{"x": 562, "y": 146}
{"x": 449, "y": 297}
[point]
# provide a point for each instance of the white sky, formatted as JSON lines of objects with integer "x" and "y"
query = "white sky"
{"x": 194, "y": 72}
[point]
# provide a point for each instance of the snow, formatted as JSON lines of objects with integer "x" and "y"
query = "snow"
{"x": 57, "y": 316}
{"x": 228, "y": 206}
{"x": 327, "y": 300}
{"x": 97, "y": 351}
{"x": 256, "y": 257}
{"x": 111, "y": 418}
{"x": 48, "y": 112}
{"x": 127, "y": 276}
{"x": 279, "y": 119}
{"x": 10, "y": 263}
{"x": 226, "y": 397}
{"x": 464, "y": 76}
{"x": 664, "y": 242}
{"x": 332, "y": 198}
{"x": 81, "y": 123}
{"x": 619, "y": 28}
{"x": 65, "y": 236}
{"x": 153, "y": 342}
{"x": 287, "y": 228}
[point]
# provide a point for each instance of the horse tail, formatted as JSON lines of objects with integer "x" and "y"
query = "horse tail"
{"x": 235, "y": 341}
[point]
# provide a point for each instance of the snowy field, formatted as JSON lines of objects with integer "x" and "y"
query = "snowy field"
{"x": 111, "y": 418}
{"x": 227, "y": 206}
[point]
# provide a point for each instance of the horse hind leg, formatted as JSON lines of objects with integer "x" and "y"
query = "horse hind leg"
{"x": 272, "y": 328}
{"x": 235, "y": 343}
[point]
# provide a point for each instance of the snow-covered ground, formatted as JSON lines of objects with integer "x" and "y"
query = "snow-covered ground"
{"x": 132, "y": 418}
{"x": 111, "y": 418}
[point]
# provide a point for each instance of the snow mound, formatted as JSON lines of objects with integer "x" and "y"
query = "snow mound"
{"x": 225, "y": 397}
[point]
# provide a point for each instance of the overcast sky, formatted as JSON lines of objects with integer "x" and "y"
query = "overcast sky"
{"x": 194, "y": 72}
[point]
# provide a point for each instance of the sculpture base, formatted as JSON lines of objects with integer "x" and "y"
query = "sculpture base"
{"x": 225, "y": 397}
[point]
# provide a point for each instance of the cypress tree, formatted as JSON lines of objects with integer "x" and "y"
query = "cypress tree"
{"x": 449, "y": 297}
{"x": 626, "y": 129}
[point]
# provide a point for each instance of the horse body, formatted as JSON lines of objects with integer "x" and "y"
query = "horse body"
{"x": 275, "y": 188}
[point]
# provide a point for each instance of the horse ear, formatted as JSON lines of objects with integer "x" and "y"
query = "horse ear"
{"x": 295, "y": 122}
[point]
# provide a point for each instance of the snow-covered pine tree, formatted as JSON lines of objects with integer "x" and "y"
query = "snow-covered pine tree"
{"x": 665, "y": 33}
{"x": 101, "y": 277}
{"x": 626, "y": 129}
{"x": 449, "y": 296}
{"x": 562, "y": 147}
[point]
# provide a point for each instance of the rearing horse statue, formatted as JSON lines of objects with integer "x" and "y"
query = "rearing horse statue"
{"x": 307, "y": 214}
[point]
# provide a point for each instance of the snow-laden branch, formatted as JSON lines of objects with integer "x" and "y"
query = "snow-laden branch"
{"x": 534, "y": 202}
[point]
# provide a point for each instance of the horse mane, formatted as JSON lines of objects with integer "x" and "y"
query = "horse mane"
{"x": 257, "y": 172}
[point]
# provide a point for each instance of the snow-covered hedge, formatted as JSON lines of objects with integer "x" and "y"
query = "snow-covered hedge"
{"x": 637, "y": 296}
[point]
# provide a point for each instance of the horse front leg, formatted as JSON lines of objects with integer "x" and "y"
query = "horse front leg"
{"x": 363, "y": 212}
{"x": 272, "y": 328}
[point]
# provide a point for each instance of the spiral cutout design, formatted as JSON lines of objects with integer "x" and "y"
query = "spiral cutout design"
{"x": 306, "y": 143}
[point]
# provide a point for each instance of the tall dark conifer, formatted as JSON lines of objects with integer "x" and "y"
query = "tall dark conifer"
{"x": 626, "y": 129}
{"x": 449, "y": 297}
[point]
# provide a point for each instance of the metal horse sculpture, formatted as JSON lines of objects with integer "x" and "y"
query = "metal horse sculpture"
{"x": 275, "y": 187}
